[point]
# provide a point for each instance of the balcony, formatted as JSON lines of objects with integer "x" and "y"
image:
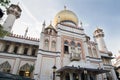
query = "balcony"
{"x": 74, "y": 56}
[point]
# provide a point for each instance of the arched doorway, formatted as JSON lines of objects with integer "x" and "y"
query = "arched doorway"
{"x": 26, "y": 70}
{"x": 5, "y": 67}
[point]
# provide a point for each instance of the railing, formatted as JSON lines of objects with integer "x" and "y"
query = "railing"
{"x": 74, "y": 56}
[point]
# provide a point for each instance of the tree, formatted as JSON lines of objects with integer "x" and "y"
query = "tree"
{"x": 3, "y": 32}
{"x": 3, "y": 3}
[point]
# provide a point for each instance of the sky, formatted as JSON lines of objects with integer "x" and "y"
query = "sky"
{"x": 104, "y": 14}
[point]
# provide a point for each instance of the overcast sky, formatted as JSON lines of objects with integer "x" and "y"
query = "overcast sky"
{"x": 93, "y": 13}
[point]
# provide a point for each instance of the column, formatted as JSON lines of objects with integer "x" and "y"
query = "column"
{"x": 11, "y": 48}
{"x": 37, "y": 67}
{"x": 58, "y": 44}
{"x": 79, "y": 76}
{"x": 20, "y": 49}
{"x": 85, "y": 48}
{"x": 41, "y": 43}
{"x": 16, "y": 66}
{"x": 29, "y": 50}
{"x": 1, "y": 45}
{"x": 113, "y": 74}
{"x": 71, "y": 76}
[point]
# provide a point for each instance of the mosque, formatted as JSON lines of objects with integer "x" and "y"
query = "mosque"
{"x": 63, "y": 52}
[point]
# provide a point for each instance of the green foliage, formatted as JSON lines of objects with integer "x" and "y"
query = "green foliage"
{"x": 3, "y": 32}
{"x": 31, "y": 68}
{"x": 4, "y": 3}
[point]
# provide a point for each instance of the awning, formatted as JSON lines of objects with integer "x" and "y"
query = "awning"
{"x": 109, "y": 57}
{"x": 78, "y": 69}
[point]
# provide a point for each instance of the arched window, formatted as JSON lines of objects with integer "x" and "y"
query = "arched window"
{"x": 72, "y": 43}
{"x": 79, "y": 45}
{"x": 46, "y": 44}
{"x": 66, "y": 42}
{"x": 79, "y": 48}
{"x": 72, "y": 46}
{"x": 66, "y": 47}
{"x": 53, "y": 44}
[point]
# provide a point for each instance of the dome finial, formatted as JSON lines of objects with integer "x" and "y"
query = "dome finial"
{"x": 26, "y": 31}
{"x": 50, "y": 22}
{"x": 44, "y": 24}
{"x": 81, "y": 24}
{"x": 64, "y": 7}
{"x": 18, "y": 3}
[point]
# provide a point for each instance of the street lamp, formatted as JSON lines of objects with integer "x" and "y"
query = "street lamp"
{"x": 54, "y": 69}
{"x": 85, "y": 74}
{"x": 27, "y": 73}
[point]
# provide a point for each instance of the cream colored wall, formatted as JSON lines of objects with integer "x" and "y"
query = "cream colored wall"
{"x": 46, "y": 68}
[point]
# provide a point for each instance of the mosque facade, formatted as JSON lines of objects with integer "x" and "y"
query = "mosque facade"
{"x": 63, "y": 52}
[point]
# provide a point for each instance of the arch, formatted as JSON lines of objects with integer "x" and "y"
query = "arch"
{"x": 66, "y": 42}
{"x": 53, "y": 44}
{"x": 25, "y": 67}
{"x": 5, "y": 66}
{"x": 46, "y": 44}
{"x": 46, "y": 41}
{"x": 78, "y": 45}
{"x": 26, "y": 70}
{"x": 72, "y": 43}
{"x": 66, "y": 47}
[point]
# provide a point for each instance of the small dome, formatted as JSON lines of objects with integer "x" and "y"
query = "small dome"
{"x": 66, "y": 16}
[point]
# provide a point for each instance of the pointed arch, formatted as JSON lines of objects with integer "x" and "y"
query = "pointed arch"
{"x": 5, "y": 66}
{"x": 66, "y": 42}
{"x": 25, "y": 67}
{"x": 72, "y": 43}
{"x": 26, "y": 70}
{"x": 66, "y": 47}
{"x": 78, "y": 44}
{"x": 46, "y": 44}
{"x": 53, "y": 44}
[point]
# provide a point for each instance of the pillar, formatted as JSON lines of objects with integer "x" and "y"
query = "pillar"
{"x": 37, "y": 67}
{"x": 20, "y": 49}
{"x": 16, "y": 66}
{"x": 29, "y": 50}
{"x": 1, "y": 46}
{"x": 11, "y": 48}
{"x": 79, "y": 76}
{"x": 71, "y": 76}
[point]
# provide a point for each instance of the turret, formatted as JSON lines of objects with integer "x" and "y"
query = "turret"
{"x": 99, "y": 38}
{"x": 26, "y": 31}
{"x": 43, "y": 28}
{"x": 13, "y": 12}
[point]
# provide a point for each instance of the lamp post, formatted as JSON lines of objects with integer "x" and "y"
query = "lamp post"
{"x": 54, "y": 69}
{"x": 85, "y": 74}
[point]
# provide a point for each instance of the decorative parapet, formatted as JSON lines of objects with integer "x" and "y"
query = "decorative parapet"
{"x": 22, "y": 37}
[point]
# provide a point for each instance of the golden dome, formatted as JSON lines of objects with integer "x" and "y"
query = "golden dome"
{"x": 66, "y": 16}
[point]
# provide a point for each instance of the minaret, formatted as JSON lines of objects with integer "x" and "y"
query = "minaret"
{"x": 43, "y": 28}
{"x": 13, "y": 12}
{"x": 99, "y": 35}
{"x": 26, "y": 31}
